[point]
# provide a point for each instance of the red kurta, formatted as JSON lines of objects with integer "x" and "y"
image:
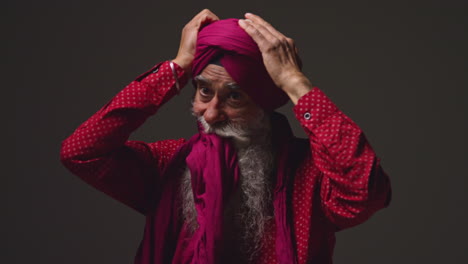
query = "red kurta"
{"x": 338, "y": 185}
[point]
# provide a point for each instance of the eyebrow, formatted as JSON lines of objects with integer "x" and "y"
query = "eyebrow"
{"x": 231, "y": 85}
{"x": 200, "y": 78}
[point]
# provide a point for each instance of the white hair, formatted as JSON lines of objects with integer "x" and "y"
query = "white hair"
{"x": 251, "y": 207}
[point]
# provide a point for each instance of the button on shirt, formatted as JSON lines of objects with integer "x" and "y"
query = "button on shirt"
{"x": 339, "y": 184}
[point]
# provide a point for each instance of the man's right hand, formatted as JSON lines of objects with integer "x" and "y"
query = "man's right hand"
{"x": 188, "y": 40}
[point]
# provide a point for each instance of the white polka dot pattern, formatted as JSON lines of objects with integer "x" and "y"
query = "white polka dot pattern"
{"x": 342, "y": 177}
{"x": 338, "y": 185}
{"x": 98, "y": 150}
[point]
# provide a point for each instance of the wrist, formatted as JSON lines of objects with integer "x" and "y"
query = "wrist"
{"x": 185, "y": 64}
{"x": 297, "y": 86}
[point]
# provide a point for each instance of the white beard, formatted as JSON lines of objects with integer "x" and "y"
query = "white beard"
{"x": 251, "y": 207}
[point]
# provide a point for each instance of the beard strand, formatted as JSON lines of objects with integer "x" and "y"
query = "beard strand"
{"x": 256, "y": 163}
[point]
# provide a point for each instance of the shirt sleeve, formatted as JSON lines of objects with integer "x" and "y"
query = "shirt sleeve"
{"x": 353, "y": 185}
{"x": 99, "y": 151}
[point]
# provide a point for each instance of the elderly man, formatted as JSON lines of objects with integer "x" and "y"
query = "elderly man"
{"x": 244, "y": 189}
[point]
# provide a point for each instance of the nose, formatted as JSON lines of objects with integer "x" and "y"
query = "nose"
{"x": 214, "y": 112}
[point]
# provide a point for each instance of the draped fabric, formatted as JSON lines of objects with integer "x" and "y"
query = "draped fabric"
{"x": 241, "y": 58}
{"x": 329, "y": 182}
{"x": 215, "y": 175}
{"x": 212, "y": 161}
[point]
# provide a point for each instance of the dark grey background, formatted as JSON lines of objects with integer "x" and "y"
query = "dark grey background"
{"x": 397, "y": 68}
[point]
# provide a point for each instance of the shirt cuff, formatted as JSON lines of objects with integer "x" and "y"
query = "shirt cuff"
{"x": 161, "y": 83}
{"x": 164, "y": 70}
{"x": 313, "y": 108}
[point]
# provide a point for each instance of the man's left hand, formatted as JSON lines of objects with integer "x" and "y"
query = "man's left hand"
{"x": 279, "y": 56}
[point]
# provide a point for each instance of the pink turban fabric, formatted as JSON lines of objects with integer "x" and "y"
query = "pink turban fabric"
{"x": 241, "y": 58}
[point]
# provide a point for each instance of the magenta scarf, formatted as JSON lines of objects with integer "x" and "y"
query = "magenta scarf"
{"x": 215, "y": 175}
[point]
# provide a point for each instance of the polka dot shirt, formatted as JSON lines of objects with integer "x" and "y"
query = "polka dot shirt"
{"x": 339, "y": 184}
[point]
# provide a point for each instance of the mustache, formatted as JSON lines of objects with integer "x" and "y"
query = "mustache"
{"x": 227, "y": 127}
{"x": 238, "y": 128}
{"x": 218, "y": 125}
{"x": 237, "y": 124}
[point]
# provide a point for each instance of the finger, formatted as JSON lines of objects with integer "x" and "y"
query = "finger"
{"x": 258, "y": 33}
{"x": 203, "y": 18}
{"x": 200, "y": 14}
{"x": 204, "y": 12}
{"x": 210, "y": 15}
{"x": 258, "y": 20}
{"x": 253, "y": 32}
{"x": 209, "y": 18}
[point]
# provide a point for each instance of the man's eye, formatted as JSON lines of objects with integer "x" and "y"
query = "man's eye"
{"x": 235, "y": 96}
{"x": 205, "y": 91}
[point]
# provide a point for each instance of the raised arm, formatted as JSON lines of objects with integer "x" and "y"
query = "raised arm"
{"x": 353, "y": 185}
{"x": 99, "y": 152}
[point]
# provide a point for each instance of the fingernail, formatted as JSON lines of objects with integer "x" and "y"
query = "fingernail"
{"x": 248, "y": 20}
{"x": 248, "y": 14}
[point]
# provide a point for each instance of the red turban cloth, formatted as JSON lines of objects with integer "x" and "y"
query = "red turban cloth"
{"x": 241, "y": 58}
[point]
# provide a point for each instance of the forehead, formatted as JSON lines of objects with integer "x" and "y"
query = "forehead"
{"x": 215, "y": 73}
